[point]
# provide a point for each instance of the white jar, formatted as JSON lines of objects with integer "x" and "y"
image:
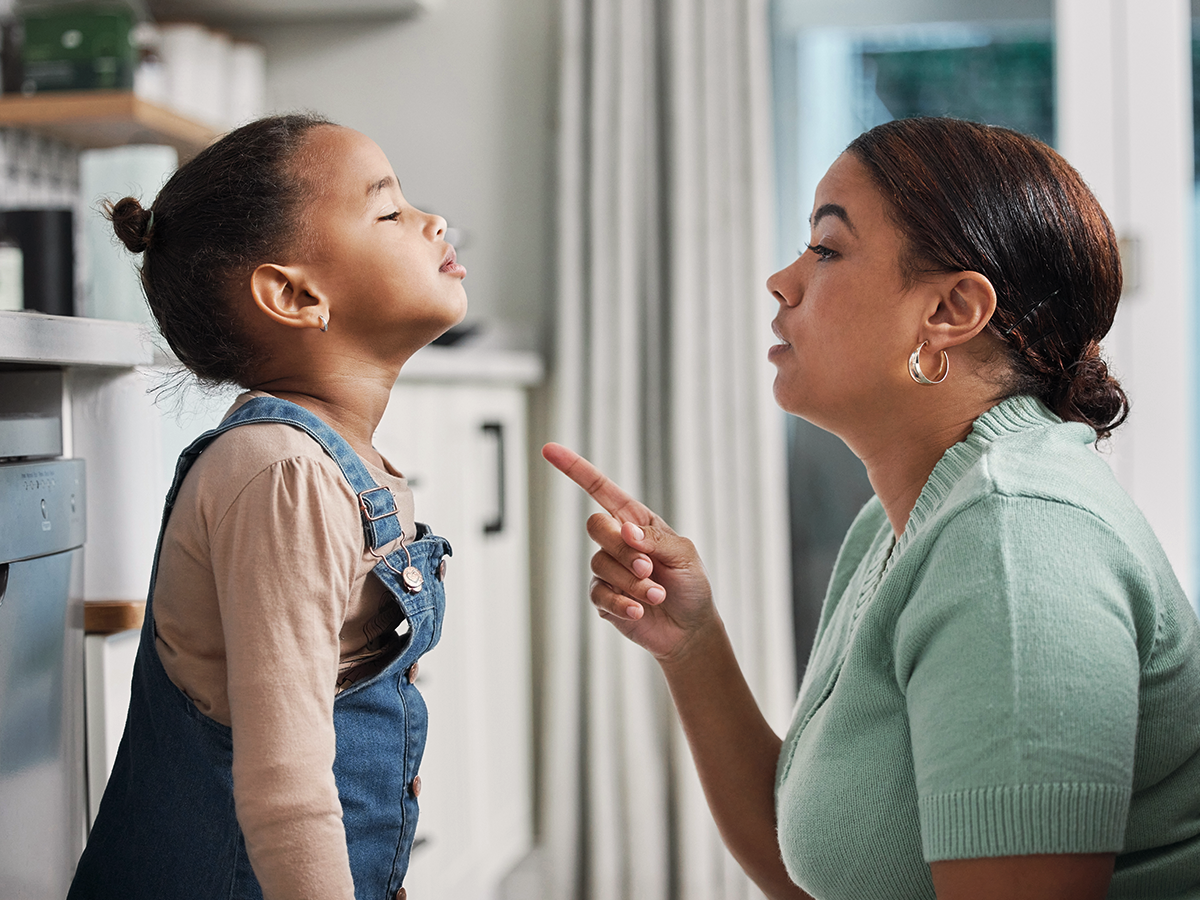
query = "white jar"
{"x": 12, "y": 276}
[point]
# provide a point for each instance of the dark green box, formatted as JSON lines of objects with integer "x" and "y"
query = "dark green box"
{"x": 77, "y": 47}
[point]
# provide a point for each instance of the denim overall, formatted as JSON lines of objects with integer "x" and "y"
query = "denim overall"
{"x": 167, "y": 830}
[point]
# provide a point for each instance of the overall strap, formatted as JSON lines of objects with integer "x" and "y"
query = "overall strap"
{"x": 381, "y": 524}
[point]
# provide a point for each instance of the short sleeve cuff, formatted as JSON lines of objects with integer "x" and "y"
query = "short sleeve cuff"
{"x": 1024, "y": 819}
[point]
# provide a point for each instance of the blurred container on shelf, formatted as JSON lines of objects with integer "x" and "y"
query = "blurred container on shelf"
{"x": 150, "y": 76}
{"x": 10, "y": 49}
{"x": 110, "y": 285}
{"x": 12, "y": 278}
{"x": 47, "y": 241}
{"x": 247, "y": 82}
{"x": 209, "y": 76}
{"x": 73, "y": 46}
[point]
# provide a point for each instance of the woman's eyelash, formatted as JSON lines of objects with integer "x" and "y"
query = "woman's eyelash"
{"x": 821, "y": 251}
{"x": 390, "y": 217}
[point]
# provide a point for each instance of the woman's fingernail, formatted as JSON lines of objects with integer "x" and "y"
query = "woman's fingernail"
{"x": 656, "y": 594}
{"x": 642, "y": 567}
{"x": 638, "y": 534}
{"x": 634, "y": 611}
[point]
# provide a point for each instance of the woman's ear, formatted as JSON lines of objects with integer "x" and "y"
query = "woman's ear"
{"x": 965, "y": 304}
{"x": 282, "y": 293}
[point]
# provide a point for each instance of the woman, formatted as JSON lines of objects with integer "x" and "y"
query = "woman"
{"x": 1003, "y": 698}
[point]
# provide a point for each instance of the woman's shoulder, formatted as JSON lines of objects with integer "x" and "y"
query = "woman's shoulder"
{"x": 1021, "y": 452}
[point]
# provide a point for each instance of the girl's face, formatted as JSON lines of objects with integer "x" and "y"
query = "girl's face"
{"x": 383, "y": 265}
{"x": 846, "y": 322}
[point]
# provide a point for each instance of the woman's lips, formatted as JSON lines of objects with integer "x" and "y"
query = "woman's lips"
{"x": 778, "y": 349}
{"x": 451, "y": 265}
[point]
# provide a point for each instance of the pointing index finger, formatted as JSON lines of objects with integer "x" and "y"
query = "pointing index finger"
{"x": 615, "y": 500}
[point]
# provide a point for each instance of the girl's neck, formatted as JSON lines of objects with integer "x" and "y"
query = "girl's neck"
{"x": 352, "y": 405}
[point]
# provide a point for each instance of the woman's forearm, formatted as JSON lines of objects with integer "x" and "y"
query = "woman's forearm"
{"x": 735, "y": 752}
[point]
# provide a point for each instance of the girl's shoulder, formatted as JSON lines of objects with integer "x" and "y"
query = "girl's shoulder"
{"x": 265, "y": 466}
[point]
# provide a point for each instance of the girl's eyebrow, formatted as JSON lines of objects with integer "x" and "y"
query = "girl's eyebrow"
{"x": 832, "y": 209}
{"x": 382, "y": 185}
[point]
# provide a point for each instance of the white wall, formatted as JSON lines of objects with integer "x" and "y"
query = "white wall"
{"x": 1125, "y": 121}
{"x": 461, "y": 98}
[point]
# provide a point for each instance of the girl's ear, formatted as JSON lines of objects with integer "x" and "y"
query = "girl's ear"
{"x": 965, "y": 302}
{"x": 282, "y": 293}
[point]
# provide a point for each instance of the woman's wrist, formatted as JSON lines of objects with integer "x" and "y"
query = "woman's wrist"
{"x": 701, "y": 646}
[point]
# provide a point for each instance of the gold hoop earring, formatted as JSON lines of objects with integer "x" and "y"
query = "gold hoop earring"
{"x": 914, "y": 367}
{"x": 324, "y": 323}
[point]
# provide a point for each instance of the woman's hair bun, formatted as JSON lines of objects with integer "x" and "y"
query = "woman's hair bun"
{"x": 1090, "y": 394}
{"x": 131, "y": 222}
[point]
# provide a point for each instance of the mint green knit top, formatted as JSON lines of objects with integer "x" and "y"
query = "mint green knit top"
{"x": 1018, "y": 673}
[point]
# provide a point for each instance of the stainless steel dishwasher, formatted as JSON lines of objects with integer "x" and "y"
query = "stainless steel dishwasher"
{"x": 42, "y": 789}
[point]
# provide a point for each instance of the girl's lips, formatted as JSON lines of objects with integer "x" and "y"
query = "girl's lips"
{"x": 451, "y": 266}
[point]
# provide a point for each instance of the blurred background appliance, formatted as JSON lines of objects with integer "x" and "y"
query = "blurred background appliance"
{"x": 42, "y": 514}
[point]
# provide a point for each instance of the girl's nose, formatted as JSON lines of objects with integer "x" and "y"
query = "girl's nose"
{"x": 438, "y": 224}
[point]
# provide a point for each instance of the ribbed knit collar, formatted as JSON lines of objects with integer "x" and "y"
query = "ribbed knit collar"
{"x": 1011, "y": 416}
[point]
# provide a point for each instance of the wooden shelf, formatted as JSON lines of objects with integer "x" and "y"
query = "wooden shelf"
{"x": 105, "y": 119}
{"x": 112, "y": 616}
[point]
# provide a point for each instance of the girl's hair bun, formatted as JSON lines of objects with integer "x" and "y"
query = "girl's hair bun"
{"x": 131, "y": 222}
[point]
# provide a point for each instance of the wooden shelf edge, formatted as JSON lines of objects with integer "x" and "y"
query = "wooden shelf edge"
{"x": 91, "y": 119}
{"x": 112, "y": 616}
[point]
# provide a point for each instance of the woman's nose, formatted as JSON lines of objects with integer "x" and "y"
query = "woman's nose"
{"x": 785, "y": 286}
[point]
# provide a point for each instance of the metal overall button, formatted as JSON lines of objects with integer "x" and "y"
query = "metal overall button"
{"x": 411, "y": 577}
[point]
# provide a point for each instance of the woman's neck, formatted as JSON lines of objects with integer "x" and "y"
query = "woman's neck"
{"x": 899, "y": 466}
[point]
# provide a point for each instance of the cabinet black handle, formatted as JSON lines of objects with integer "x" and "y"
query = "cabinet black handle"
{"x": 495, "y": 525}
{"x": 3, "y": 581}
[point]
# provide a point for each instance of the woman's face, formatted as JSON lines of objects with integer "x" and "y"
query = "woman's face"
{"x": 847, "y": 322}
{"x": 384, "y": 265}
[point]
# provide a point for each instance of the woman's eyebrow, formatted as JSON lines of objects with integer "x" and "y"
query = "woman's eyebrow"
{"x": 832, "y": 209}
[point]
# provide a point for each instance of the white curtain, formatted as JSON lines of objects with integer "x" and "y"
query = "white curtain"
{"x": 659, "y": 375}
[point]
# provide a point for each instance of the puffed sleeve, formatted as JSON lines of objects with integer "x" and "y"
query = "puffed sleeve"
{"x": 283, "y": 569}
{"x": 1018, "y": 655}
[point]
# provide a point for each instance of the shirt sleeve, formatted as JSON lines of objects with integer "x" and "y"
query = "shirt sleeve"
{"x": 1018, "y": 655}
{"x": 283, "y": 568}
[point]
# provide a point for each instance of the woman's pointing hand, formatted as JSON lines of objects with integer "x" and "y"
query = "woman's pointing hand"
{"x": 649, "y": 581}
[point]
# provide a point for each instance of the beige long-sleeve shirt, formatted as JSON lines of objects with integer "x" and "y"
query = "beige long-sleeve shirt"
{"x": 264, "y": 603}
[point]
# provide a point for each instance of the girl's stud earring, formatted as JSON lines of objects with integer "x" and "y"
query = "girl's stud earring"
{"x": 324, "y": 323}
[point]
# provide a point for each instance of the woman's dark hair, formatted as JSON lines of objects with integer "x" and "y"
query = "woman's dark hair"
{"x": 233, "y": 207}
{"x": 970, "y": 197}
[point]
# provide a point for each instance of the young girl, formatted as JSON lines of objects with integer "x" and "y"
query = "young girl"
{"x": 274, "y": 734}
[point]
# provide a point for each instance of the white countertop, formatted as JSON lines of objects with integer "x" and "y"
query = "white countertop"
{"x": 468, "y": 363}
{"x": 30, "y": 337}
{"x": 27, "y": 337}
